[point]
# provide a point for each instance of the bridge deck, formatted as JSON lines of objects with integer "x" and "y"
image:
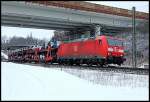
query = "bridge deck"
{"x": 80, "y": 5}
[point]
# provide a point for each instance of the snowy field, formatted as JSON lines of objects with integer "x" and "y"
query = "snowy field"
{"x": 116, "y": 79}
{"x": 24, "y": 82}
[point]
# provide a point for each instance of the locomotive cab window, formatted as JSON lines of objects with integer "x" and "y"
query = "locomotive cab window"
{"x": 115, "y": 42}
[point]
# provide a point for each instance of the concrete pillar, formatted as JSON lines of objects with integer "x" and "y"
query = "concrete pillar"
{"x": 97, "y": 30}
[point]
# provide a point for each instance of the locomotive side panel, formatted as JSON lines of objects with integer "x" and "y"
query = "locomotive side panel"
{"x": 87, "y": 49}
{"x": 84, "y": 49}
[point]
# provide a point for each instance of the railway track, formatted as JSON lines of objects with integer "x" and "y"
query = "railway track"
{"x": 139, "y": 71}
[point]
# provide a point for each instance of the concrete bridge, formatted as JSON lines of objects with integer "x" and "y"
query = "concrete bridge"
{"x": 67, "y": 15}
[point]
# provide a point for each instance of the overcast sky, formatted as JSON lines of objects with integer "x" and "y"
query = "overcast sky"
{"x": 47, "y": 34}
{"x": 140, "y": 5}
{"x": 24, "y": 32}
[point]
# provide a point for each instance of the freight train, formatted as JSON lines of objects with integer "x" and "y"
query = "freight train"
{"x": 101, "y": 50}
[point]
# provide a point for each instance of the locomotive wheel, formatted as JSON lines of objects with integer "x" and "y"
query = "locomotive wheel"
{"x": 71, "y": 63}
{"x": 119, "y": 64}
{"x": 60, "y": 63}
{"x": 78, "y": 64}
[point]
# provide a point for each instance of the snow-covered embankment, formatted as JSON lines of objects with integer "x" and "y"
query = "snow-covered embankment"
{"x": 24, "y": 82}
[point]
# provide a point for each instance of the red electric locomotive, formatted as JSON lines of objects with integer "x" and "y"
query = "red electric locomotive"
{"x": 101, "y": 50}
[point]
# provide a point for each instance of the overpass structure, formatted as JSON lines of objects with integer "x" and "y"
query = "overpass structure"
{"x": 67, "y": 15}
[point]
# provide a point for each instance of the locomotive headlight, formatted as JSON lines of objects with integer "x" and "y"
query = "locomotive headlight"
{"x": 120, "y": 51}
{"x": 110, "y": 49}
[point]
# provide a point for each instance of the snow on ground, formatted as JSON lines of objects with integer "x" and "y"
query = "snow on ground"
{"x": 24, "y": 82}
{"x": 108, "y": 78}
{"x": 4, "y": 55}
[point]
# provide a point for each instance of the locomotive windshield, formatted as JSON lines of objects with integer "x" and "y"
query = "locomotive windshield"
{"x": 114, "y": 42}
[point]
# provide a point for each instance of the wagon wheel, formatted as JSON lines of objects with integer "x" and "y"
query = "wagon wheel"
{"x": 90, "y": 64}
{"x": 100, "y": 65}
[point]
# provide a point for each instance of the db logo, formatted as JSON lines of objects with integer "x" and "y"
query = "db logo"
{"x": 75, "y": 48}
